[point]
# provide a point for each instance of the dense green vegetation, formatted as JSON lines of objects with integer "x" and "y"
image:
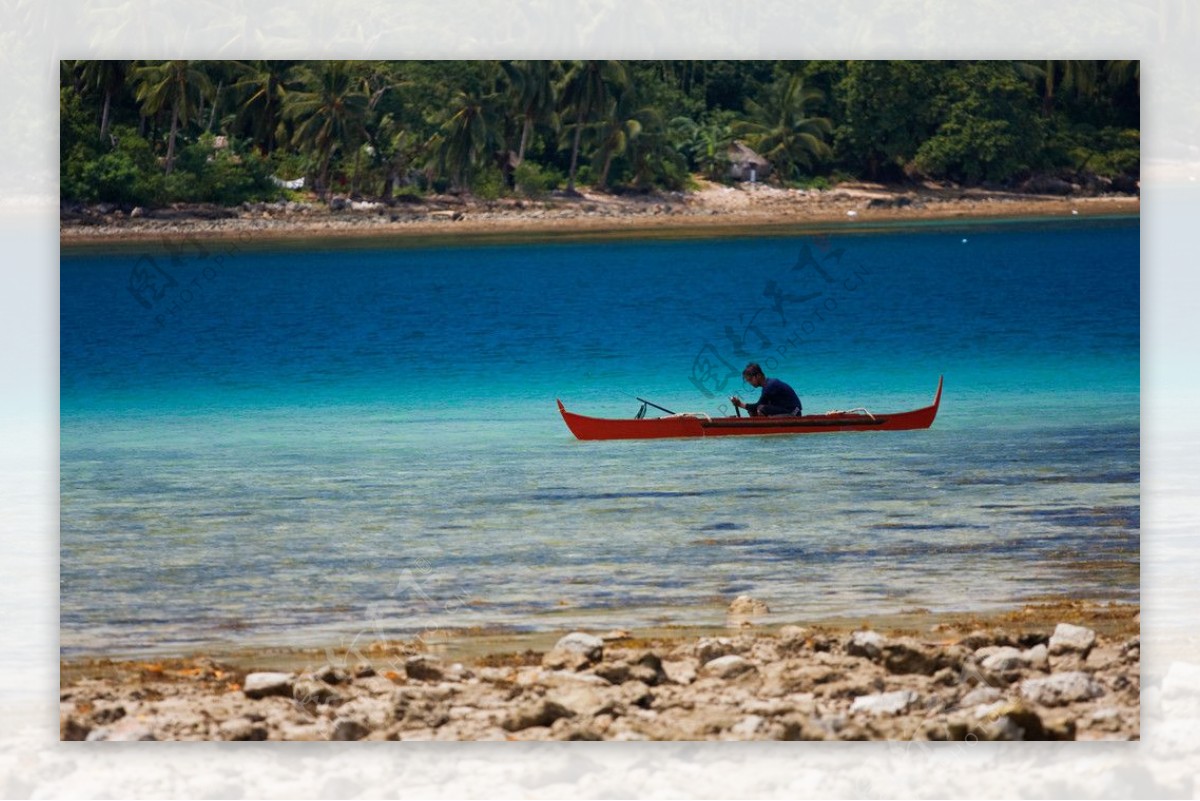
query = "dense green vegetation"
{"x": 153, "y": 132}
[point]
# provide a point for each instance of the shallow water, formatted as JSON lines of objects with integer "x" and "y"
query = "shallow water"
{"x": 297, "y": 448}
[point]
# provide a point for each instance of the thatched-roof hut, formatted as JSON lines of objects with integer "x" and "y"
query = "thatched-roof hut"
{"x": 746, "y": 165}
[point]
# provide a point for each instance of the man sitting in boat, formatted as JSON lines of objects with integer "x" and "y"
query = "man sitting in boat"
{"x": 777, "y": 399}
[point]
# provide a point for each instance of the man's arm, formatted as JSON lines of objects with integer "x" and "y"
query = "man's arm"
{"x": 752, "y": 408}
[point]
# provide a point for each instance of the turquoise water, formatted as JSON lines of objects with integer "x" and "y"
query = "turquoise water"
{"x": 300, "y": 447}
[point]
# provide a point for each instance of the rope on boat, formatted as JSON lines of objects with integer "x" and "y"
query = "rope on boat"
{"x": 700, "y": 415}
{"x": 859, "y": 410}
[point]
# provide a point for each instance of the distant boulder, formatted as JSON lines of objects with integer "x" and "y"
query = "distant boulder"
{"x": 1127, "y": 184}
{"x": 1095, "y": 184}
{"x": 1048, "y": 185}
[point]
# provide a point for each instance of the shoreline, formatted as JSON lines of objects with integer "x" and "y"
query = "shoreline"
{"x": 1056, "y": 669}
{"x": 714, "y": 211}
{"x": 1107, "y": 617}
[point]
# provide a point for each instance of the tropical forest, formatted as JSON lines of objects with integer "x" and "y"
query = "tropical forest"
{"x": 153, "y": 133}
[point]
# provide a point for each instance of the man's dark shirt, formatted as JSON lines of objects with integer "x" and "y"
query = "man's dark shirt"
{"x": 777, "y": 398}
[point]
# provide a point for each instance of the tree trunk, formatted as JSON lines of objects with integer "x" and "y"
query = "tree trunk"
{"x": 524, "y": 138}
{"x": 1048, "y": 98}
{"x": 216, "y": 102}
{"x": 389, "y": 183}
{"x": 501, "y": 157}
{"x": 603, "y": 181}
{"x": 575, "y": 153}
{"x": 267, "y": 144}
{"x": 171, "y": 137}
{"x": 104, "y": 115}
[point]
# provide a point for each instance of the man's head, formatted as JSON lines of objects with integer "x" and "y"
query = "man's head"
{"x": 753, "y": 375}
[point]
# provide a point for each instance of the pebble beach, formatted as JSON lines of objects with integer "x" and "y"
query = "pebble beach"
{"x": 1028, "y": 674}
{"x": 711, "y": 210}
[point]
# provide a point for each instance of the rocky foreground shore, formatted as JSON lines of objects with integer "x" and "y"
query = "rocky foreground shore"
{"x": 797, "y": 683}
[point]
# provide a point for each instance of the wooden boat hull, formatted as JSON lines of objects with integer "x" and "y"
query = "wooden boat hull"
{"x": 597, "y": 428}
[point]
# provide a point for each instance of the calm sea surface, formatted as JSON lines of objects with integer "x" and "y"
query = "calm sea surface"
{"x": 301, "y": 446}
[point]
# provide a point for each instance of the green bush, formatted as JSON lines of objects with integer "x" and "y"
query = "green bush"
{"x": 125, "y": 170}
{"x": 112, "y": 177}
{"x": 231, "y": 178}
{"x": 662, "y": 171}
{"x": 202, "y": 174}
{"x": 885, "y": 114}
{"x": 128, "y": 173}
{"x": 289, "y": 166}
{"x": 78, "y": 136}
{"x": 488, "y": 183}
{"x": 181, "y": 186}
{"x": 536, "y": 181}
{"x": 1107, "y": 152}
{"x": 72, "y": 164}
{"x": 990, "y": 130}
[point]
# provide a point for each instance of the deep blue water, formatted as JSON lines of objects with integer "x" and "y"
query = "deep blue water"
{"x": 298, "y": 446}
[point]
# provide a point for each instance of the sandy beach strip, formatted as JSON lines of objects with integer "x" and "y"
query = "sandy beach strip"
{"x": 1057, "y": 670}
{"x": 711, "y": 212}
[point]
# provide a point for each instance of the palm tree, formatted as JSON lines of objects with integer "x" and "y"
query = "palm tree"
{"x": 224, "y": 73}
{"x": 780, "y": 129}
{"x": 654, "y": 154}
{"x": 107, "y": 77}
{"x": 621, "y": 124}
{"x": 467, "y": 135}
{"x": 1079, "y": 77}
{"x": 1123, "y": 73}
{"x": 534, "y": 95}
{"x": 712, "y": 149}
{"x": 706, "y": 146}
{"x": 686, "y": 75}
{"x": 329, "y": 109}
{"x": 586, "y": 89}
{"x": 180, "y": 85}
{"x": 397, "y": 148}
{"x": 260, "y": 91}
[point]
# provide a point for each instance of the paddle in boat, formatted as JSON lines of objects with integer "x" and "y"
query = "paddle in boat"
{"x": 697, "y": 424}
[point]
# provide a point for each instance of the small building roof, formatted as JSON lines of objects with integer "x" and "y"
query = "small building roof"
{"x": 739, "y": 153}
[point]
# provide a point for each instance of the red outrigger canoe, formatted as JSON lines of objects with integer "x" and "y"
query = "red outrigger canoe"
{"x": 702, "y": 425}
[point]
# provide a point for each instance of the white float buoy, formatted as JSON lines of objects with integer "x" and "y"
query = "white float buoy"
{"x": 852, "y": 213}
{"x": 964, "y": 241}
